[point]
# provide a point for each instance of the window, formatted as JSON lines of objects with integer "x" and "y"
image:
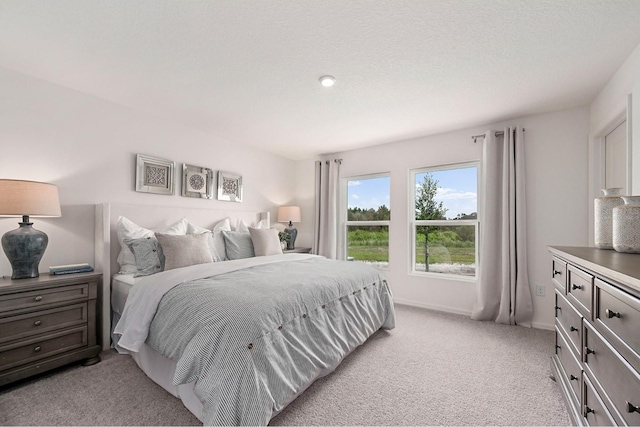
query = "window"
{"x": 368, "y": 216}
{"x": 444, "y": 206}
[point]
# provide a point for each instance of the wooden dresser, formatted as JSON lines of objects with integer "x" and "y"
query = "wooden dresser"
{"x": 47, "y": 322}
{"x": 597, "y": 329}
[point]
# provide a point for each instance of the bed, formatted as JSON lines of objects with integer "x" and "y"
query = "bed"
{"x": 237, "y": 340}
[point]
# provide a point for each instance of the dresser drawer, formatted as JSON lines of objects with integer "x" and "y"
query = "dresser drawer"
{"x": 34, "y": 299}
{"x": 559, "y": 274}
{"x": 580, "y": 289}
{"x": 617, "y": 316}
{"x": 43, "y": 321}
{"x": 570, "y": 364}
{"x": 619, "y": 380}
{"x": 34, "y": 349}
{"x": 594, "y": 411}
{"x": 570, "y": 321}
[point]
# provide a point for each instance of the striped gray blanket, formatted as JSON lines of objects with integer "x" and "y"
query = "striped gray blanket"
{"x": 254, "y": 338}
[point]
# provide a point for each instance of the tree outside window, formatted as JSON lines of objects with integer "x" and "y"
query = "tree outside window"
{"x": 445, "y": 220}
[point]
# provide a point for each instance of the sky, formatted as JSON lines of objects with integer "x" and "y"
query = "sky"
{"x": 457, "y": 189}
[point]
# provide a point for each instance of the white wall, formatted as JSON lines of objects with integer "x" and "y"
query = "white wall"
{"x": 556, "y": 171}
{"x": 611, "y": 102}
{"x": 87, "y": 147}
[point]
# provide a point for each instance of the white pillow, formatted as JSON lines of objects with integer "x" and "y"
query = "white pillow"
{"x": 218, "y": 239}
{"x": 265, "y": 241}
{"x": 241, "y": 226}
{"x": 194, "y": 229}
{"x": 262, "y": 224}
{"x": 127, "y": 229}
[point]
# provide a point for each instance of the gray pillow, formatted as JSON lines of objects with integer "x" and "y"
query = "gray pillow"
{"x": 238, "y": 245}
{"x": 185, "y": 250}
{"x": 265, "y": 241}
{"x": 148, "y": 255}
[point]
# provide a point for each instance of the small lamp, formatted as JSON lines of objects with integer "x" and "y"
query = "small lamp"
{"x": 289, "y": 214}
{"x": 25, "y": 246}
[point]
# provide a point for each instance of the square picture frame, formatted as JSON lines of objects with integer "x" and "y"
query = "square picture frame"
{"x": 229, "y": 187}
{"x": 154, "y": 175}
{"x": 197, "y": 182}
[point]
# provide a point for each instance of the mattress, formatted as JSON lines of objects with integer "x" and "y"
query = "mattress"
{"x": 157, "y": 367}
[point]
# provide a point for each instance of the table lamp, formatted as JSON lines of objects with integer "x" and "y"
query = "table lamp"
{"x": 289, "y": 214}
{"x": 25, "y": 246}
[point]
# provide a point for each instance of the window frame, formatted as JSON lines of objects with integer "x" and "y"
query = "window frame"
{"x": 414, "y": 223}
{"x": 345, "y": 223}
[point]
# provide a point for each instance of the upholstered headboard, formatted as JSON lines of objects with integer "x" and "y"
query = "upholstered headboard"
{"x": 151, "y": 217}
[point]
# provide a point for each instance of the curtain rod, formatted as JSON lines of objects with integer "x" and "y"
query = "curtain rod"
{"x": 498, "y": 133}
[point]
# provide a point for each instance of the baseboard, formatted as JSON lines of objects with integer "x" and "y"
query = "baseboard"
{"x": 455, "y": 310}
{"x": 544, "y": 326}
{"x": 446, "y": 309}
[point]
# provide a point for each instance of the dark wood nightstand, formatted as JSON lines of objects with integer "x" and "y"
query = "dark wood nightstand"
{"x": 297, "y": 251}
{"x": 47, "y": 322}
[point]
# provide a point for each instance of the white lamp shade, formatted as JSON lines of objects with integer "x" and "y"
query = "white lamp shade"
{"x": 18, "y": 198}
{"x": 289, "y": 213}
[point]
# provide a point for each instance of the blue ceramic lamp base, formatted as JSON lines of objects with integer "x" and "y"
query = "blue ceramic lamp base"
{"x": 24, "y": 248}
{"x": 293, "y": 233}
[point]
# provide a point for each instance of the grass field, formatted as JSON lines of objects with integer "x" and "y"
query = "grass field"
{"x": 373, "y": 246}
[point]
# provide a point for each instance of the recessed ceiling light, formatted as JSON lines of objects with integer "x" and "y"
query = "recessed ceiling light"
{"x": 327, "y": 81}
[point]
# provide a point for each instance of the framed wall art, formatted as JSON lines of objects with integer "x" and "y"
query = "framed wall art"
{"x": 154, "y": 175}
{"x": 229, "y": 187}
{"x": 197, "y": 182}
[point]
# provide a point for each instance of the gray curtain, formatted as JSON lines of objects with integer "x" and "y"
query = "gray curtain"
{"x": 325, "y": 240}
{"x": 503, "y": 292}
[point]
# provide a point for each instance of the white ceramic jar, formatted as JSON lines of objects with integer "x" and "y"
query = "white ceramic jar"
{"x": 626, "y": 225}
{"x": 603, "y": 216}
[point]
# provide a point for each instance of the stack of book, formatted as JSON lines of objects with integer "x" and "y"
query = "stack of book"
{"x": 70, "y": 268}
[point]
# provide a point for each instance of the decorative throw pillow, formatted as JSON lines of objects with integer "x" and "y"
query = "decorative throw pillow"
{"x": 182, "y": 251}
{"x": 194, "y": 229}
{"x": 265, "y": 241}
{"x": 148, "y": 254}
{"x": 127, "y": 229}
{"x": 238, "y": 245}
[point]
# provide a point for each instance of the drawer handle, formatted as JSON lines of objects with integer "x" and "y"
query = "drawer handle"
{"x": 573, "y": 378}
{"x": 573, "y": 329}
{"x": 556, "y": 272}
{"x": 589, "y": 351}
{"x": 574, "y": 287}
{"x": 588, "y": 410}
{"x": 38, "y": 298}
{"x": 611, "y": 313}
{"x": 632, "y": 408}
{"x": 37, "y": 349}
{"x": 37, "y": 323}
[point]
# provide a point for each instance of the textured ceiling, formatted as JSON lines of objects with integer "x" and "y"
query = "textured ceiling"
{"x": 247, "y": 71}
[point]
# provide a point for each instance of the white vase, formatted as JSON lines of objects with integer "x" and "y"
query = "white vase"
{"x": 626, "y": 225}
{"x": 603, "y": 216}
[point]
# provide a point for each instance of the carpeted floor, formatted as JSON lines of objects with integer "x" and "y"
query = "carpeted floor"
{"x": 433, "y": 369}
